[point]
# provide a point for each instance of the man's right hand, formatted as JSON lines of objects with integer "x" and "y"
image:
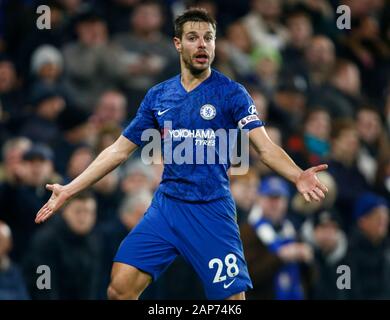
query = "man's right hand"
{"x": 58, "y": 198}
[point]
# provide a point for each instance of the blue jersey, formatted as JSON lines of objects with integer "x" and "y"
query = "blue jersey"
{"x": 195, "y": 116}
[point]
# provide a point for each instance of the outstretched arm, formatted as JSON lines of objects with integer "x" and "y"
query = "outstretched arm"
{"x": 106, "y": 161}
{"x": 277, "y": 159}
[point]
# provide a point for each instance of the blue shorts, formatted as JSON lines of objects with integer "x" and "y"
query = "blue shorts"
{"x": 205, "y": 234}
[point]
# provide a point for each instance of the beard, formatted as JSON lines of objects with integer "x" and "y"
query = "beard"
{"x": 194, "y": 69}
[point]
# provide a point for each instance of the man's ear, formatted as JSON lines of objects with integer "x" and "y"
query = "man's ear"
{"x": 177, "y": 43}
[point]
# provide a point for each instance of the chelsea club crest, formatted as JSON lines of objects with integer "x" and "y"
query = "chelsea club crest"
{"x": 208, "y": 112}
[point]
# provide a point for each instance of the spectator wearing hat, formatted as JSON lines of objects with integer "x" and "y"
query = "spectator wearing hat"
{"x": 329, "y": 242}
{"x": 31, "y": 194}
{"x": 369, "y": 248}
{"x": 42, "y": 125}
{"x": 12, "y": 285}
{"x": 47, "y": 64}
{"x": 277, "y": 261}
{"x": 89, "y": 58}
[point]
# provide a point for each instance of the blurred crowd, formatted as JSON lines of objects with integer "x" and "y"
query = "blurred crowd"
{"x": 67, "y": 92}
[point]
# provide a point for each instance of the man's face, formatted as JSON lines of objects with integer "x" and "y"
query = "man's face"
{"x": 326, "y": 235}
{"x": 369, "y": 126}
{"x": 147, "y": 18}
{"x": 319, "y": 125}
{"x": 274, "y": 207}
{"x": 39, "y": 171}
{"x": 196, "y": 46}
{"x": 347, "y": 143}
{"x": 80, "y": 215}
{"x": 375, "y": 224}
{"x": 111, "y": 108}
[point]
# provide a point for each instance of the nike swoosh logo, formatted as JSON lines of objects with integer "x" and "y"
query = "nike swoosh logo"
{"x": 225, "y": 286}
{"x": 160, "y": 113}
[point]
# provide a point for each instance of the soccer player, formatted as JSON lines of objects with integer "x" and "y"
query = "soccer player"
{"x": 192, "y": 212}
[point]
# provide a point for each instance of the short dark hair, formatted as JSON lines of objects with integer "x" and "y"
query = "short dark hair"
{"x": 81, "y": 196}
{"x": 341, "y": 125}
{"x": 193, "y": 15}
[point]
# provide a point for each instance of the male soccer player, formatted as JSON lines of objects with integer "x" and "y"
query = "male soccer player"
{"x": 192, "y": 212}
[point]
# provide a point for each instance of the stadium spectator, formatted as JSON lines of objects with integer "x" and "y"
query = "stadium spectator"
{"x": 244, "y": 189}
{"x": 369, "y": 246}
{"x": 343, "y": 167}
{"x": 11, "y": 171}
{"x": 264, "y": 25}
{"x": 277, "y": 261}
{"x": 72, "y": 251}
{"x": 29, "y": 195}
{"x": 329, "y": 242}
{"x": 364, "y": 46}
{"x": 320, "y": 58}
{"x": 149, "y": 52}
{"x": 266, "y": 64}
{"x": 312, "y": 147}
{"x": 300, "y": 30}
{"x": 111, "y": 110}
{"x": 11, "y": 94}
{"x": 233, "y": 52}
{"x": 47, "y": 66}
{"x": 375, "y": 144}
{"x": 42, "y": 126}
{"x": 76, "y": 131}
{"x": 288, "y": 104}
{"x": 80, "y": 159}
{"x": 341, "y": 95}
{"x": 12, "y": 285}
{"x": 90, "y": 57}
